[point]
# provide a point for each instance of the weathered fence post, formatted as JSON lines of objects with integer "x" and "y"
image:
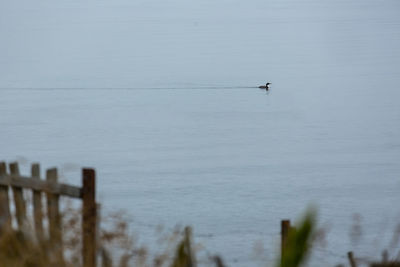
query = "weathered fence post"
{"x": 5, "y": 215}
{"x": 351, "y": 259}
{"x": 285, "y": 227}
{"x": 20, "y": 208}
{"x": 89, "y": 217}
{"x": 53, "y": 211}
{"x": 37, "y": 204}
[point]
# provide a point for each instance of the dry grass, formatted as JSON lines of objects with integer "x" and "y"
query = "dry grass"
{"x": 117, "y": 246}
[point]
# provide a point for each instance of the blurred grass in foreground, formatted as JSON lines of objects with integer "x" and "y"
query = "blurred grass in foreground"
{"x": 299, "y": 241}
{"x": 117, "y": 247}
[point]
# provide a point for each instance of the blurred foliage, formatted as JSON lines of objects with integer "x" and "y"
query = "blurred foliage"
{"x": 184, "y": 255}
{"x": 117, "y": 245}
{"x": 299, "y": 241}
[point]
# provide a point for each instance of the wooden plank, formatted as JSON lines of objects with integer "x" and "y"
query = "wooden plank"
{"x": 40, "y": 185}
{"x": 53, "y": 213}
{"x": 37, "y": 204}
{"x": 5, "y": 215}
{"x": 20, "y": 208}
{"x": 89, "y": 218}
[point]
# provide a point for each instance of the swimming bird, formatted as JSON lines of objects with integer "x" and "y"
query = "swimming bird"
{"x": 266, "y": 86}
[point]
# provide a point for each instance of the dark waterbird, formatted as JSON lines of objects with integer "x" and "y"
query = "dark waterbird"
{"x": 266, "y": 86}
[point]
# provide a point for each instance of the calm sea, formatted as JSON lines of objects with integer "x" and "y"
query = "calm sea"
{"x": 161, "y": 98}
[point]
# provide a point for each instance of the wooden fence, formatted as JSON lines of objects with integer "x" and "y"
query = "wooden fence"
{"x": 52, "y": 189}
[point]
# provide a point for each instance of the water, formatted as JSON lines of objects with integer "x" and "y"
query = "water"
{"x": 161, "y": 98}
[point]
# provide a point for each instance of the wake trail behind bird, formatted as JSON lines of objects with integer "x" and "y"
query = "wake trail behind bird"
{"x": 129, "y": 88}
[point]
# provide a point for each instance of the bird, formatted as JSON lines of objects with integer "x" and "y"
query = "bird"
{"x": 266, "y": 86}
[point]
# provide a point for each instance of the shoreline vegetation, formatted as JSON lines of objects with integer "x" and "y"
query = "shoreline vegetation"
{"x": 117, "y": 248}
{"x": 79, "y": 237}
